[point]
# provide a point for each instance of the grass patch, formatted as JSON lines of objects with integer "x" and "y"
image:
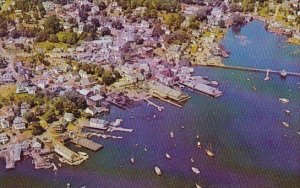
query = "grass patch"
{"x": 7, "y": 90}
{"x": 50, "y": 45}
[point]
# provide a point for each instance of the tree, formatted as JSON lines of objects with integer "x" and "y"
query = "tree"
{"x": 37, "y": 129}
{"x": 52, "y": 25}
{"x": 157, "y": 31}
{"x": 53, "y": 38}
{"x": 67, "y": 37}
{"x": 222, "y": 24}
{"x": 105, "y": 31}
{"x": 50, "y": 116}
{"x": 117, "y": 74}
{"x": 102, "y": 5}
{"x": 174, "y": 20}
{"x": 29, "y": 116}
{"x": 108, "y": 78}
{"x": 41, "y": 36}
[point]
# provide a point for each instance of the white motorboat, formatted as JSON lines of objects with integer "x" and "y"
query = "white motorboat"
{"x": 168, "y": 156}
{"x": 171, "y": 134}
{"x": 288, "y": 112}
{"x": 199, "y": 144}
{"x": 192, "y": 160}
{"x": 195, "y": 170}
{"x": 284, "y": 100}
{"x": 285, "y": 124}
{"x": 132, "y": 160}
{"x": 158, "y": 171}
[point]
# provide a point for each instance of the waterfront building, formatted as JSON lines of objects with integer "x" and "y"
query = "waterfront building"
{"x": 165, "y": 92}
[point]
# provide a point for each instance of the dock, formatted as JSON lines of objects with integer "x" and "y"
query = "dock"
{"x": 282, "y": 73}
{"x": 203, "y": 88}
{"x": 111, "y": 129}
{"x": 160, "y": 108}
{"x": 40, "y": 162}
{"x": 86, "y": 143}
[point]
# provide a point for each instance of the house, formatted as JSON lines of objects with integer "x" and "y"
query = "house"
{"x": 4, "y": 123}
{"x": 48, "y": 6}
{"x": 19, "y": 123}
{"x": 94, "y": 110}
{"x": 7, "y": 78}
{"x": 4, "y": 138}
{"x": 21, "y": 88}
{"x": 69, "y": 117}
{"x": 58, "y": 127}
{"x": 97, "y": 123}
{"x": 24, "y": 108}
{"x": 173, "y": 52}
{"x": 95, "y": 100}
{"x": 87, "y": 82}
{"x": 42, "y": 84}
{"x": 85, "y": 92}
{"x": 37, "y": 145}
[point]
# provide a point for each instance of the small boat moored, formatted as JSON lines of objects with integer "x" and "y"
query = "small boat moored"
{"x": 288, "y": 112}
{"x": 171, "y": 134}
{"x": 284, "y": 100}
{"x": 192, "y": 160}
{"x": 195, "y": 170}
{"x": 285, "y": 124}
{"x": 168, "y": 156}
{"x": 132, "y": 160}
{"x": 158, "y": 171}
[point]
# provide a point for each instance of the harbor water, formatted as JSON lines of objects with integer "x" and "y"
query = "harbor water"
{"x": 243, "y": 128}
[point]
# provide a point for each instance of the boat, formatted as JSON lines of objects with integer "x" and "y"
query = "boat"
{"x": 214, "y": 83}
{"x": 158, "y": 171}
{"x": 197, "y": 186}
{"x": 298, "y": 133}
{"x": 283, "y": 74}
{"x": 267, "y": 78}
{"x": 68, "y": 185}
{"x": 82, "y": 153}
{"x": 285, "y": 124}
{"x": 254, "y": 88}
{"x": 192, "y": 160}
{"x": 209, "y": 153}
{"x": 54, "y": 167}
{"x": 197, "y": 136}
{"x": 288, "y": 112}
{"x": 196, "y": 170}
{"x": 145, "y": 149}
{"x": 284, "y": 100}
{"x": 182, "y": 127}
{"x": 199, "y": 144}
{"x": 168, "y": 156}
{"x": 171, "y": 134}
{"x": 132, "y": 160}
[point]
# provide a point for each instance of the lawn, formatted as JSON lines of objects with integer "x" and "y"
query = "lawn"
{"x": 50, "y": 45}
{"x": 7, "y": 90}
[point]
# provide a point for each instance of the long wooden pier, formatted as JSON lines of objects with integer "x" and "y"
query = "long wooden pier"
{"x": 270, "y": 71}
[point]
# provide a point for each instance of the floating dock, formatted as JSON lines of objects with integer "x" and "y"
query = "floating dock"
{"x": 89, "y": 144}
{"x": 160, "y": 108}
{"x": 111, "y": 129}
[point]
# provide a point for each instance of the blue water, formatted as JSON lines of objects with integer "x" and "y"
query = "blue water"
{"x": 244, "y": 128}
